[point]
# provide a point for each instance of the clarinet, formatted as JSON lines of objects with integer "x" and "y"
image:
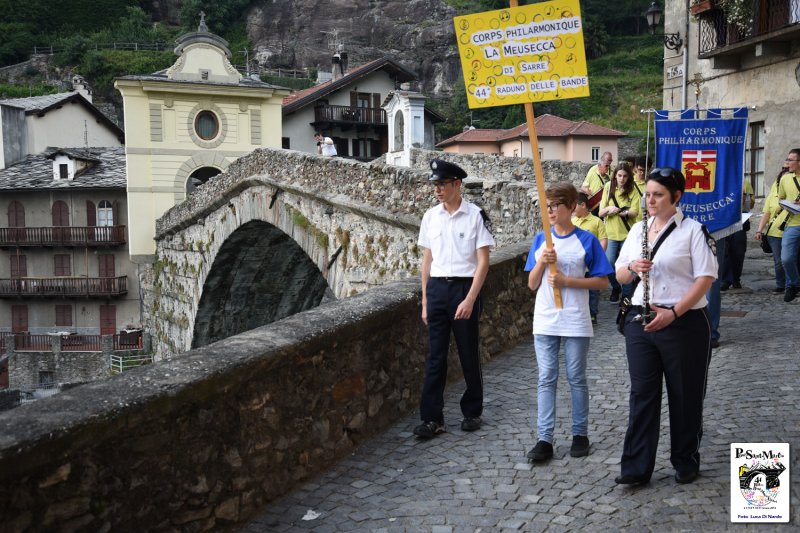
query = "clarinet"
{"x": 647, "y": 315}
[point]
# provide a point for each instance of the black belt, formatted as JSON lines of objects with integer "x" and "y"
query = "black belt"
{"x": 451, "y": 279}
{"x": 640, "y": 309}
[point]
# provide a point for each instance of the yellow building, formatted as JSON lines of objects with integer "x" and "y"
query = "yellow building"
{"x": 185, "y": 125}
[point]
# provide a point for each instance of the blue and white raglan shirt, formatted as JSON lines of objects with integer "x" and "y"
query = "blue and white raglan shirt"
{"x": 576, "y": 253}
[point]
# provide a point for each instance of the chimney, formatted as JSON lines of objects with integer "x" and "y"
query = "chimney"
{"x": 80, "y": 85}
{"x": 338, "y": 65}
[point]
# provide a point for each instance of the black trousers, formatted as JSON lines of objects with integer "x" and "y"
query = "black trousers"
{"x": 443, "y": 298}
{"x": 681, "y": 354}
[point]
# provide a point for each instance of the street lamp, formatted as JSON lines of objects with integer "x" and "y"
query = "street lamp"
{"x": 653, "y": 14}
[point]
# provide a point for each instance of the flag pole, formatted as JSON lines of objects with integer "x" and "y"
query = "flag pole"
{"x": 539, "y": 175}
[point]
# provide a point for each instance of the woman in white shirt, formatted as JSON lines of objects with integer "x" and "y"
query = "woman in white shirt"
{"x": 676, "y": 340}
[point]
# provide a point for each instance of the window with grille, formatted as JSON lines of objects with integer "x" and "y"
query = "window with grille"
{"x": 595, "y": 154}
{"x": 754, "y": 158}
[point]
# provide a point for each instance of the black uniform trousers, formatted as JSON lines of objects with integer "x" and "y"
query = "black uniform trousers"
{"x": 680, "y": 353}
{"x": 443, "y": 298}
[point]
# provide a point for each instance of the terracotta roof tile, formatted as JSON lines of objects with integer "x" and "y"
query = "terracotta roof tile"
{"x": 546, "y": 126}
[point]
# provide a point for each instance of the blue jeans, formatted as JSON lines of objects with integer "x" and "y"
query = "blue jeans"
{"x": 714, "y": 296}
{"x": 780, "y": 275}
{"x": 612, "y": 252}
{"x": 789, "y": 249}
{"x": 575, "y": 352}
{"x": 594, "y": 301}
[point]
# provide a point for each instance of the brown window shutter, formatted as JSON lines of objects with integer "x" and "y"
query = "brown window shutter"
{"x": 115, "y": 214}
{"x": 353, "y": 99}
{"x": 91, "y": 213}
{"x": 376, "y": 100}
{"x": 16, "y": 215}
{"x": 19, "y": 266}
{"x": 60, "y": 213}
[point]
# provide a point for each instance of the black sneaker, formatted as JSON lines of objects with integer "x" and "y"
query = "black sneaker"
{"x": 736, "y": 285}
{"x": 790, "y": 294}
{"x": 428, "y": 430}
{"x": 715, "y": 343}
{"x": 471, "y": 423}
{"x": 778, "y": 290}
{"x": 594, "y": 320}
{"x": 541, "y": 452}
{"x": 580, "y": 446}
{"x": 724, "y": 286}
{"x": 614, "y": 295}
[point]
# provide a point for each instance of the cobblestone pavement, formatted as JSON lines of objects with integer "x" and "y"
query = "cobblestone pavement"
{"x": 481, "y": 481}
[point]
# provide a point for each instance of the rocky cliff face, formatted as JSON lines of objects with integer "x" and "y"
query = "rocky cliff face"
{"x": 418, "y": 33}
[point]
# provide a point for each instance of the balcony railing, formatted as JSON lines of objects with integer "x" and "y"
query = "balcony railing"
{"x": 343, "y": 114}
{"x": 63, "y": 287}
{"x": 27, "y": 342}
{"x": 63, "y": 236}
{"x": 721, "y": 28}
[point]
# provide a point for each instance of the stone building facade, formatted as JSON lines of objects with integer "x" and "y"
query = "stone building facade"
{"x": 740, "y": 54}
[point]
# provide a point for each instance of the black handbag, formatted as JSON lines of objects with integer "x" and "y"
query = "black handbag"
{"x": 625, "y": 304}
{"x": 765, "y": 247}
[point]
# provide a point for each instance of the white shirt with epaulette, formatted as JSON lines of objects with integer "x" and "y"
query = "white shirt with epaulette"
{"x": 454, "y": 239}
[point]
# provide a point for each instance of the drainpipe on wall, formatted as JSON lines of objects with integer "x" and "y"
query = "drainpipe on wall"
{"x": 684, "y": 92}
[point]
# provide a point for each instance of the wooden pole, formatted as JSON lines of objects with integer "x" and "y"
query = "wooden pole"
{"x": 539, "y": 175}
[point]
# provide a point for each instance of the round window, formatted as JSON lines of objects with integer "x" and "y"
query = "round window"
{"x": 206, "y": 125}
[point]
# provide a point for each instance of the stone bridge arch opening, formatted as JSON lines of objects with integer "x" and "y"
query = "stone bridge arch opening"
{"x": 259, "y": 275}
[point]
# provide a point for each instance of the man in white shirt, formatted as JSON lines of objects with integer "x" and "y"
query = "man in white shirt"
{"x": 456, "y": 240}
{"x": 325, "y": 145}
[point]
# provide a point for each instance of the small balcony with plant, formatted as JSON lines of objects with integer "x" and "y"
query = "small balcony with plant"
{"x": 730, "y": 29}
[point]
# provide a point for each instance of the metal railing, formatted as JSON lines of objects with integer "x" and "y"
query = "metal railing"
{"x": 349, "y": 114}
{"x": 720, "y": 27}
{"x": 122, "y": 362}
{"x": 27, "y": 342}
{"x": 63, "y": 236}
{"x": 63, "y": 287}
{"x": 81, "y": 343}
{"x": 138, "y": 47}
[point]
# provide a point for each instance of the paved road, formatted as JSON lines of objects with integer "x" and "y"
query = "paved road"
{"x": 481, "y": 481}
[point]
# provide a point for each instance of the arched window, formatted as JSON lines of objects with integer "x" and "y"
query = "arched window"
{"x": 60, "y": 213}
{"x": 199, "y": 177}
{"x": 105, "y": 213}
{"x": 16, "y": 215}
{"x": 399, "y": 129}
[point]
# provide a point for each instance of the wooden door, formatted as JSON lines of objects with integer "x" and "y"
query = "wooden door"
{"x": 108, "y": 319}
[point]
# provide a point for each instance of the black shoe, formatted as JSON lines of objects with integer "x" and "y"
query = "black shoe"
{"x": 790, "y": 294}
{"x": 428, "y": 430}
{"x": 614, "y": 295}
{"x": 541, "y": 452}
{"x": 779, "y": 290}
{"x": 629, "y": 479}
{"x": 715, "y": 343}
{"x": 580, "y": 446}
{"x": 724, "y": 286}
{"x": 736, "y": 285}
{"x": 686, "y": 478}
{"x": 471, "y": 423}
{"x": 594, "y": 320}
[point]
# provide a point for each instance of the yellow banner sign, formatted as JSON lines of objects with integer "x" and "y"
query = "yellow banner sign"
{"x": 532, "y": 53}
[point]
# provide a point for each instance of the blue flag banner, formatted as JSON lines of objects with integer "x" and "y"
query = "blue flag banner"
{"x": 708, "y": 147}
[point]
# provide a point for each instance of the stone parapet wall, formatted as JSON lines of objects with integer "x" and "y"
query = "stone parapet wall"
{"x": 202, "y": 441}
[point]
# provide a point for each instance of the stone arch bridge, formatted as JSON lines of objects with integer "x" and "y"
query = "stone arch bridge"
{"x": 280, "y": 232}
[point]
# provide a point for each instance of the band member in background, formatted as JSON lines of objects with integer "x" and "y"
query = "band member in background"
{"x": 596, "y": 179}
{"x": 789, "y": 189}
{"x": 675, "y": 344}
{"x": 619, "y": 207}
